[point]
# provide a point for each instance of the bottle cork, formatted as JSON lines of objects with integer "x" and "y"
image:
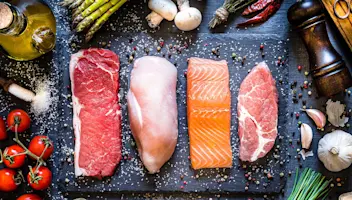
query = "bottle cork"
{"x": 6, "y": 16}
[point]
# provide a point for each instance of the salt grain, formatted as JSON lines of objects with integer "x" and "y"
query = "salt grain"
{"x": 42, "y": 100}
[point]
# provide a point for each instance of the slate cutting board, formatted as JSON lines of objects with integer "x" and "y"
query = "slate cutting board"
{"x": 130, "y": 176}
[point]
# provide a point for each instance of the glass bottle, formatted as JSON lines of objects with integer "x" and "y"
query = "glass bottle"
{"x": 27, "y": 29}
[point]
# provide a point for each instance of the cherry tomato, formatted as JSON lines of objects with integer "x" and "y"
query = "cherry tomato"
{"x": 3, "y": 134}
{"x": 39, "y": 179}
{"x": 11, "y": 157}
{"x": 20, "y": 118}
{"x": 29, "y": 197}
{"x": 9, "y": 180}
{"x": 37, "y": 146}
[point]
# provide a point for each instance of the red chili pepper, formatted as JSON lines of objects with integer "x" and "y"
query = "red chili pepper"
{"x": 262, "y": 16}
{"x": 259, "y": 5}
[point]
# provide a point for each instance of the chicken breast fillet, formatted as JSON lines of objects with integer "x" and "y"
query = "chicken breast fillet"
{"x": 152, "y": 110}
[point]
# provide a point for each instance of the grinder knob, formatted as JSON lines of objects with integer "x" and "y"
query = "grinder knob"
{"x": 328, "y": 70}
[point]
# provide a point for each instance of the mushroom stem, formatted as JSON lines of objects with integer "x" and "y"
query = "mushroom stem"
{"x": 334, "y": 150}
{"x": 154, "y": 19}
{"x": 21, "y": 92}
{"x": 16, "y": 90}
{"x": 183, "y": 4}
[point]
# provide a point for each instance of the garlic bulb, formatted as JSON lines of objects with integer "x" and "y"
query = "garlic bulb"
{"x": 335, "y": 150}
{"x": 334, "y": 110}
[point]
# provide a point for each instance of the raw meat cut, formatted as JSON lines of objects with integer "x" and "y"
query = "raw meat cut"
{"x": 209, "y": 113}
{"x": 96, "y": 112}
{"x": 257, "y": 113}
{"x": 152, "y": 110}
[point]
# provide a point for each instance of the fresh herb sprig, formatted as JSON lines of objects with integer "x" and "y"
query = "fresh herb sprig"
{"x": 310, "y": 185}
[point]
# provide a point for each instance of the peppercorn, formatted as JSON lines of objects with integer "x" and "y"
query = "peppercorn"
{"x": 269, "y": 176}
{"x": 146, "y": 50}
{"x": 297, "y": 115}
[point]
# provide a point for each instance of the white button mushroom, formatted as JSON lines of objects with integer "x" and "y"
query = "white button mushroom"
{"x": 161, "y": 9}
{"x": 189, "y": 18}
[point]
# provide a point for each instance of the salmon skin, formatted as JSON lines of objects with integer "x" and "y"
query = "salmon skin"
{"x": 209, "y": 113}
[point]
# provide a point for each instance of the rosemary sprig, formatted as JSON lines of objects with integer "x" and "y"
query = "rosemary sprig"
{"x": 229, "y": 6}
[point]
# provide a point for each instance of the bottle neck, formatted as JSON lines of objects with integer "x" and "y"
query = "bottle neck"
{"x": 12, "y": 22}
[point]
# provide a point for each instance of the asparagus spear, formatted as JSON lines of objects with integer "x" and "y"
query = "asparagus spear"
{"x": 75, "y": 4}
{"x": 97, "y": 25}
{"x": 82, "y": 7}
{"x": 95, "y": 15}
{"x": 88, "y": 11}
{"x": 66, "y": 2}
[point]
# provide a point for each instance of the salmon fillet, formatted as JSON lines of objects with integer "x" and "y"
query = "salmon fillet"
{"x": 209, "y": 113}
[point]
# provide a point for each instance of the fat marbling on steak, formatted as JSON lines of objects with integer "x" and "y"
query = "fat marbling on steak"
{"x": 94, "y": 77}
{"x": 257, "y": 113}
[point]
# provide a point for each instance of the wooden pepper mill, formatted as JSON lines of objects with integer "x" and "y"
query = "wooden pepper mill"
{"x": 327, "y": 68}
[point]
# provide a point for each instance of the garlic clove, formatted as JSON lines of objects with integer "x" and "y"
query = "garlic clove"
{"x": 317, "y": 116}
{"x": 306, "y": 136}
{"x": 305, "y": 154}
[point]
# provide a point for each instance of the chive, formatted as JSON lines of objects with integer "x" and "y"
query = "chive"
{"x": 310, "y": 185}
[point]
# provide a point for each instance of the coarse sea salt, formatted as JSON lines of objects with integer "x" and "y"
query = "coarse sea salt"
{"x": 42, "y": 100}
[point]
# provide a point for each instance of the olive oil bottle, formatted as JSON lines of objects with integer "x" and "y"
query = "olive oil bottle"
{"x": 27, "y": 29}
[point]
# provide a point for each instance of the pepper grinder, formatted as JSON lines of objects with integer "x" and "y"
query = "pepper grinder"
{"x": 327, "y": 68}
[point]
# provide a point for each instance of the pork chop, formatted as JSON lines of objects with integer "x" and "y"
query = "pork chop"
{"x": 257, "y": 113}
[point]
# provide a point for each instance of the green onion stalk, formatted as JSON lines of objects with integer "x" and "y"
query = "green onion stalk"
{"x": 229, "y": 6}
{"x": 310, "y": 185}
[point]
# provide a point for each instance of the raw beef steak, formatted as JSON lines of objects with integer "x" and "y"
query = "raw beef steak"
{"x": 257, "y": 113}
{"x": 96, "y": 112}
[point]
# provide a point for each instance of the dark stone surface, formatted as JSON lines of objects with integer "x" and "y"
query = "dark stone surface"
{"x": 245, "y": 43}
